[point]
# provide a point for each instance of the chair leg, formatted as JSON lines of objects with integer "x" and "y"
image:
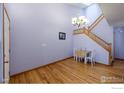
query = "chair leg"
{"x": 75, "y": 58}
{"x": 94, "y": 62}
{"x": 85, "y": 60}
{"x": 91, "y": 61}
{"x": 79, "y": 59}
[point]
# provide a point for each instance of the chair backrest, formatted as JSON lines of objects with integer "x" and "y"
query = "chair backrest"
{"x": 78, "y": 52}
{"x": 91, "y": 53}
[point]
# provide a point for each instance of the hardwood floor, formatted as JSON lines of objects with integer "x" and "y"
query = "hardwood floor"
{"x": 69, "y": 71}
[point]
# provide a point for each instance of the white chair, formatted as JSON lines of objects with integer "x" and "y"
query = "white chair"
{"x": 82, "y": 55}
{"x": 75, "y": 54}
{"x": 91, "y": 57}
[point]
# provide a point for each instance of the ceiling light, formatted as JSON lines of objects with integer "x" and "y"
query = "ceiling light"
{"x": 81, "y": 20}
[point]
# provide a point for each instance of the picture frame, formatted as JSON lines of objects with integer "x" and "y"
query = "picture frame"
{"x": 62, "y": 36}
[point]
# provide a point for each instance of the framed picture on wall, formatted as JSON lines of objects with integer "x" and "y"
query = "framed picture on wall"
{"x": 62, "y": 36}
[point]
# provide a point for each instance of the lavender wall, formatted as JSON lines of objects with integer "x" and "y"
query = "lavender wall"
{"x": 34, "y": 37}
{"x": 92, "y": 12}
{"x": 119, "y": 42}
{"x": 1, "y": 44}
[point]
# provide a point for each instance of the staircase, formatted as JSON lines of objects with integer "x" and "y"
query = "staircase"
{"x": 98, "y": 40}
{"x": 97, "y": 21}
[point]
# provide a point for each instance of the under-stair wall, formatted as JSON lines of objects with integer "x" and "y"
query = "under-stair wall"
{"x": 81, "y": 41}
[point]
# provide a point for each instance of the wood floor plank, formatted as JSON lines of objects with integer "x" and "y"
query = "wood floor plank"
{"x": 22, "y": 78}
{"x": 81, "y": 74}
{"x": 69, "y": 71}
{"x": 67, "y": 76}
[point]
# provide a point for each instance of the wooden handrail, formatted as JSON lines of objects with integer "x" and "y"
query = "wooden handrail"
{"x": 94, "y": 24}
{"x": 94, "y": 37}
{"x": 100, "y": 39}
{"x": 97, "y": 39}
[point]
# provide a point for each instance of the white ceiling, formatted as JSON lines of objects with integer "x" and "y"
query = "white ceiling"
{"x": 79, "y": 5}
{"x": 114, "y": 12}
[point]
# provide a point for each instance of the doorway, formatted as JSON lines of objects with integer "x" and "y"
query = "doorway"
{"x": 119, "y": 43}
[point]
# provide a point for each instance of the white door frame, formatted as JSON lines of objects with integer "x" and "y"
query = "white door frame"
{"x": 6, "y": 63}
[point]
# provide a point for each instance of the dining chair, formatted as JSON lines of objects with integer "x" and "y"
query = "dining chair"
{"x": 91, "y": 57}
{"x": 75, "y": 54}
{"x": 78, "y": 55}
{"x": 82, "y": 55}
